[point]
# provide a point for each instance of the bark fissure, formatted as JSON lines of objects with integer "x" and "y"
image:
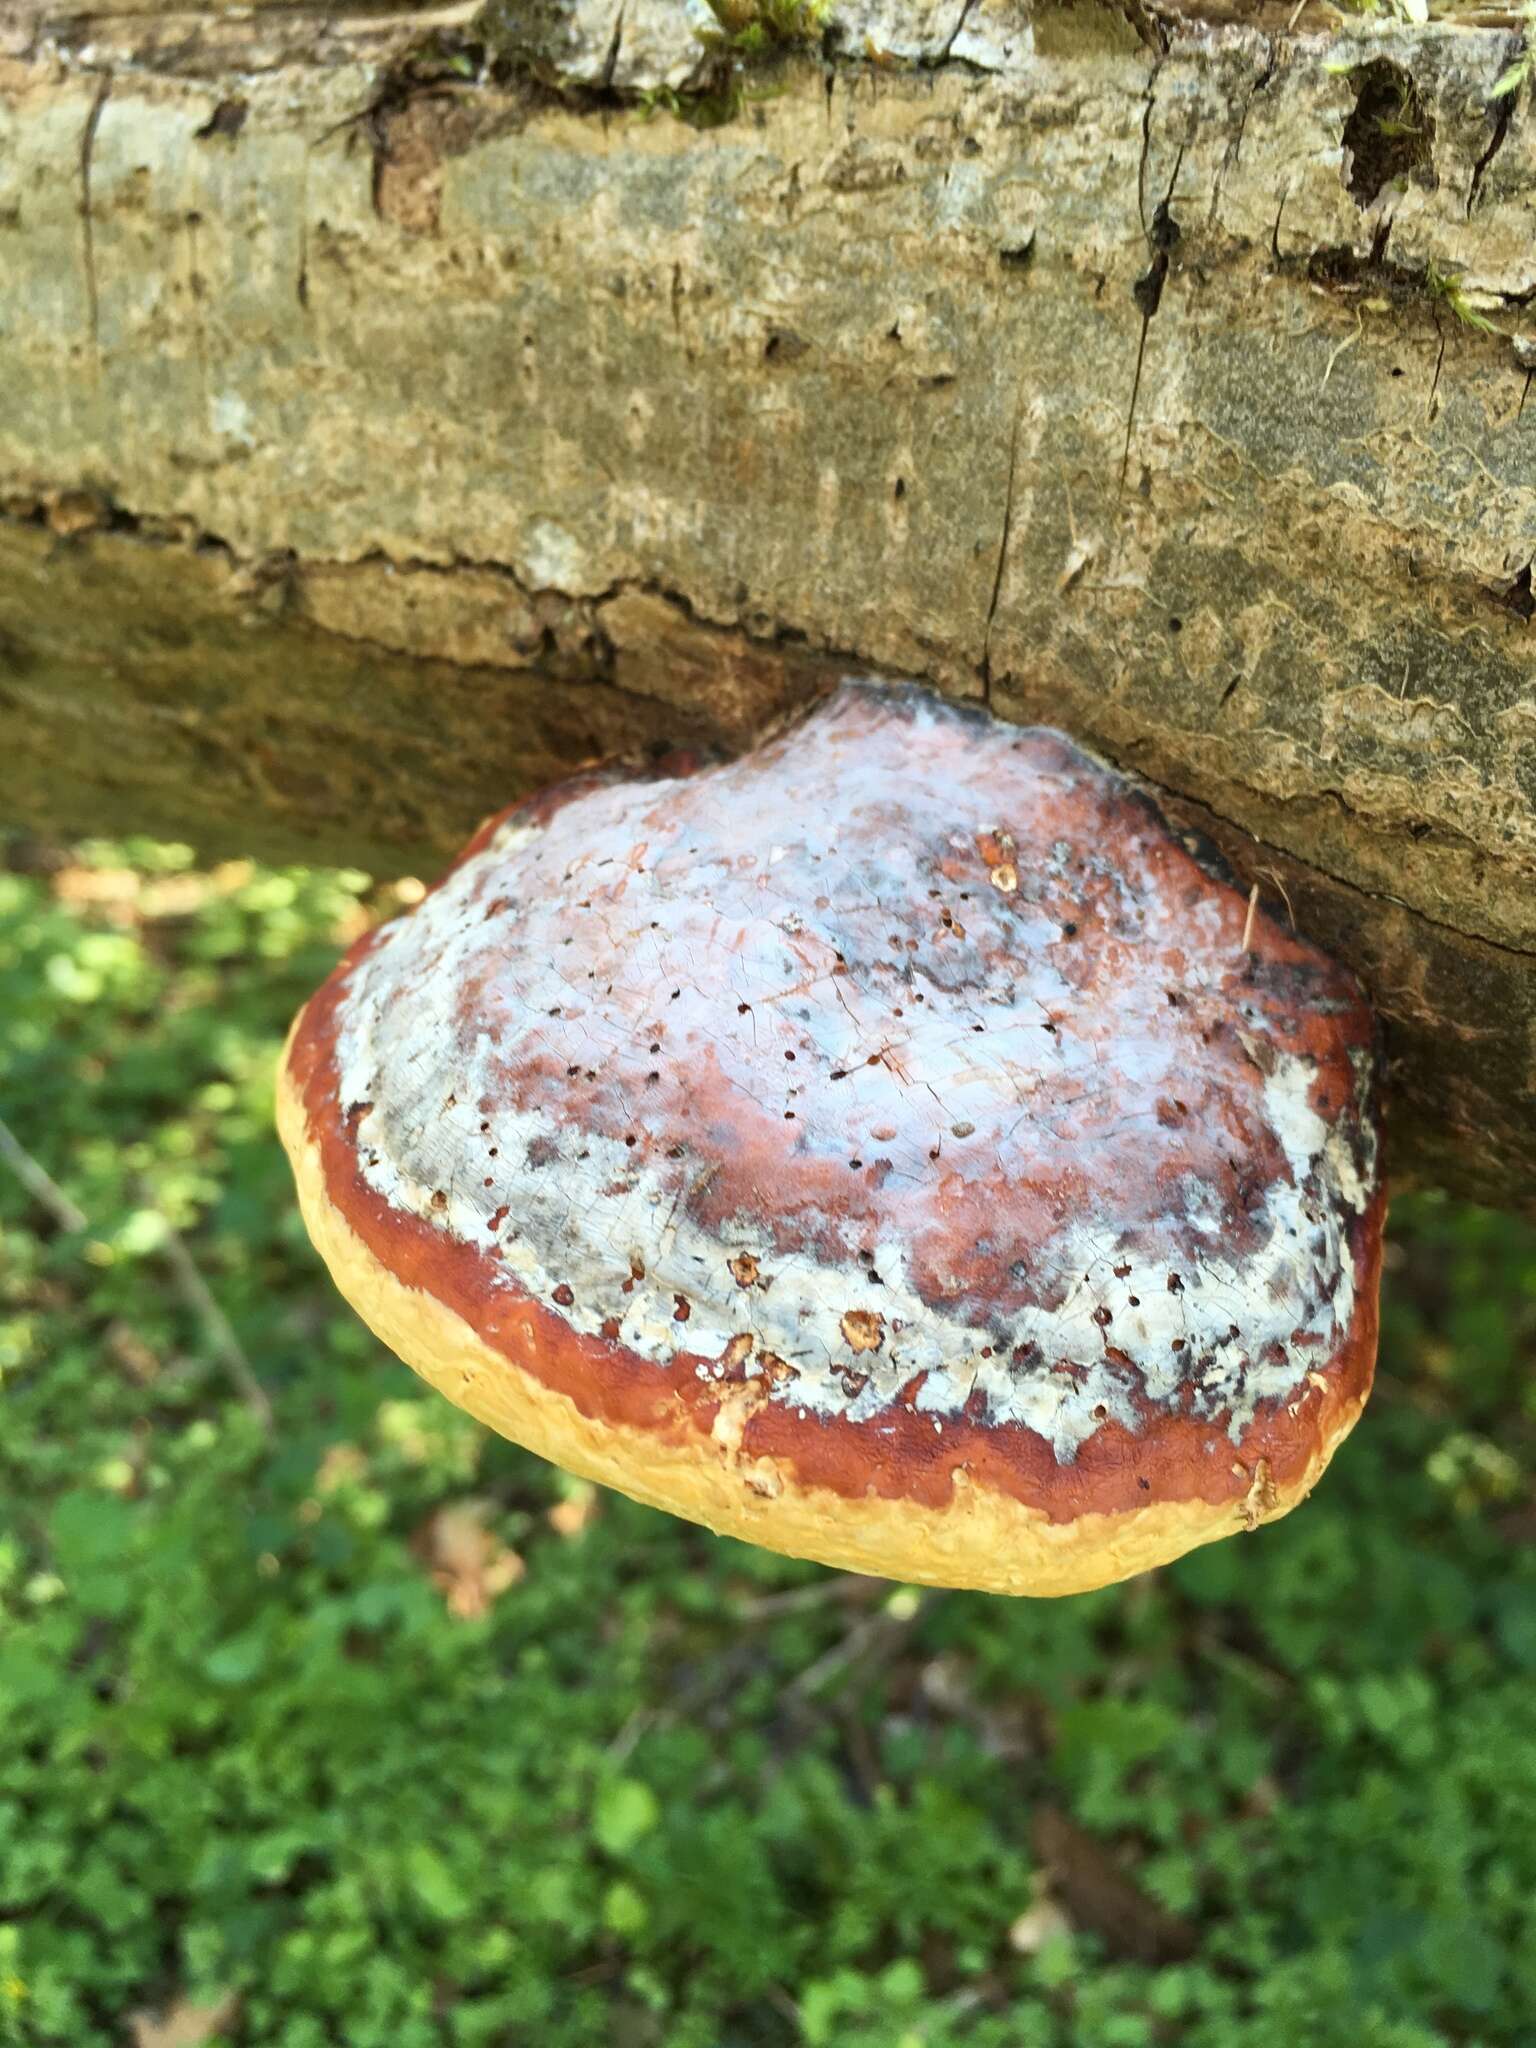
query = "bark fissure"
{"x": 954, "y": 34}
{"x": 1002, "y": 549}
{"x": 88, "y": 218}
{"x": 1504, "y": 114}
{"x": 1162, "y": 238}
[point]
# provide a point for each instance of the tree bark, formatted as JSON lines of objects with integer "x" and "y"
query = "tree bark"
{"x": 399, "y": 408}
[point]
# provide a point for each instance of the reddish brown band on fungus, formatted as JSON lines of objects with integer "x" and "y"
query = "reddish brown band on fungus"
{"x": 1169, "y": 1456}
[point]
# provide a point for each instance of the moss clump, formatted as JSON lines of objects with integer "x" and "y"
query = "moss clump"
{"x": 758, "y": 28}
{"x": 1446, "y": 289}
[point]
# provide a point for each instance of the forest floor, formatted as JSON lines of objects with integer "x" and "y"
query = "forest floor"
{"x": 327, "y": 1718}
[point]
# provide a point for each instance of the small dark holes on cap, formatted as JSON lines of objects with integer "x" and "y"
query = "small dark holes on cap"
{"x": 675, "y": 994}
{"x": 789, "y": 1055}
{"x": 742, "y": 1009}
{"x": 1103, "y": 1317}
{"x": 653, "y": 1075}
{"x": 1134, "y": 1300}
{"x": 485, "y": 1124}
{"x": 681, "y": 1310}
{"x": 1101, "y": 1413}
{"x": 564, "y": 1295}
{"x": 1175, "y": 625}
{"x": 855, "y": 1163}
{"x": 1175, "y": 1284}
{"x": 1122, "y": 1271}
{"x": 656, "y": 1045}
{"x": 1144, "y": 1484}
{"x": 1069, "y": 929}
{"x": 629, "y": 1137}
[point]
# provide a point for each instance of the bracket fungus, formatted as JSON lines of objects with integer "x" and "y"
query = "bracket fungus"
{"x": 895, "y": 1147}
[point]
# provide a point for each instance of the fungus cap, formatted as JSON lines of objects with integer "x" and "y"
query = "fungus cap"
{"x": 895, "y": 1147}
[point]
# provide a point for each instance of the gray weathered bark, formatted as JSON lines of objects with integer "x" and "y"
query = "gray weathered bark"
{"x": 399, "y": 408}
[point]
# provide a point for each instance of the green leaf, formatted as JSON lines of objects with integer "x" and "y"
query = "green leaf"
{"x": 434, "y": 1883}
{"x": 1512, "y": 79}
{"x": 625, "y": 1811}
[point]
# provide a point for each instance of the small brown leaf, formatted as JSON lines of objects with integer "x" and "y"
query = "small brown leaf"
{"x": 128, "y": 1349}
{"x": 183, "y": 2025}
{"x": 576, "y": 1512}
{"x": 1087, "y": 1878}
{"x": 342, "y": 1465}
{"x": 470, "y": 1567}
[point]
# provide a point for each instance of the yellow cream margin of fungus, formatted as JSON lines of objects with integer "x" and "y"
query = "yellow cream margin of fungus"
{"x": 982, "y": 1539}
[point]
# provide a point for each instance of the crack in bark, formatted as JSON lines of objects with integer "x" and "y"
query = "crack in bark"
{"x": 1232, "y": 155}
{"x": 954, "y": 34}
{"x": 1522, "y": 954}
{"x": 1002, "y": 550}
{"x": 1146, "y": 142}
{"x": 1505, "y": 114}
{"x": 301, "y": 281}
{"x": 1429, "y": 403}
{"x": 610, "y": 63}
{"x": 87, "y": 219}
{"x": 1148, "y": 294}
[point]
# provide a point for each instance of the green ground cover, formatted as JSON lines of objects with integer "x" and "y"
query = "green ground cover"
{"x": 354, "y": 1725}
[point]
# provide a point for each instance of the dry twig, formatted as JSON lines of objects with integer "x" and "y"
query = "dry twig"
{"x": 39, "y": 1184}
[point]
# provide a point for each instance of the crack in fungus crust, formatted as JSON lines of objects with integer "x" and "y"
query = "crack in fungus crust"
{"x": 894, "y": 1114}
